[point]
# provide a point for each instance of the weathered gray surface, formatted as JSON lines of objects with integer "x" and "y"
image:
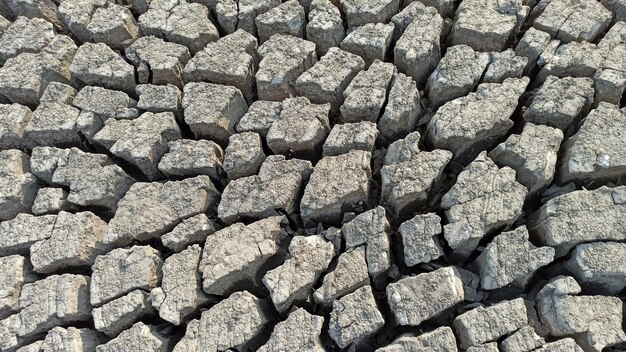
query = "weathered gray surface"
{"x": 354, "y": 317}
{"x": 438, "y": 340}
{"x": 299, "y": 332}
{"x": 600, "y": 265}
{"x": 188, "y": 158}
{"x": 420, "y": 239}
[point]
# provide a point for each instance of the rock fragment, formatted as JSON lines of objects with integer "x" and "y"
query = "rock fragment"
{"x": 21, "y": 232}
{"x": 370, "y": 41}
{"x": 260, "y": 117}
{"x": 286, "y": 18}
{"x": 580, "y": 20}
{"x": 360, "y": 12}
{"x": 572, "y": 60}
{"x": 158, "y": 61}
{"x": 504, "y": 65}
{"x": 299, "y": 332}
{"x": 402, "y": 109}
{"x": 366, "y": 95}
{"x": 105, "y": 103}
{"x": 601, "y": 266}
{"x": 350, "y": 274}
{"x": 99, "y": 65}
{"x": 563, "y": 345}
{"x": 154, "y": 98}
{"x": 325, "y": 26}
{"x": 188, "y": 158}
{"x": 438, "y": 340}
{"x": 523, "y": 340}
{"x": 14, "y": 273}
{"x": 139, "y": 338}
{"x": 13, "y": 121}
{"x": 420, "y": 239}
{"x": 51, "y": 201}
{"x": 18, "y": 187}
{"x": 191, "y": 231}
{"x": 119, "y": 314}
{"x": 244, "y": 155}
{"x": 531, "y": 46}
{"x": 348, "y": 136}
{"x": 25, "y": 35}
{"x": 354, "y": 317}
{"x": 113, "y": 25}
{"x": 609, "y": 85}
{"x": 371, "y": 229}
{"x": 70, "y": 339}
{"x": 54, "y": 124}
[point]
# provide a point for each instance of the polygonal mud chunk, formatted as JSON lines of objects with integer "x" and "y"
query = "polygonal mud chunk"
{"x": 154, "y": 98}
{"x": 483, "y": 199}
{"x": 457, "y": 74}
{"x": 486, "y": 25}
{"x": 349, "y": 274}
{"x": 366, "y": 95}
{"x": 419, "y": 298}
{"x": 13, "y": 121}
{"x": 188, "y": 158}
{"x": 124, "y": 270}
{"x": 420, "y": 239}
{"x": 20, "y": 233}
{"x": 250, "y": 9}
{"x": 563, "y": 345}
{"x": 286, "y": 18}
{"x": 596, "y": 150}
{"x": 157, "y": 61}
{"x": 51, "y": 201}
{"x": 402, "y": 109}
{"x": 244, "y": 155}
{"x": 119, "y": 314}
{"x": 76, "y": 15}
{"x": 301, "y": 128}
{"x": 45, "y": 9}
{"x": 99, "y": 65}
{"x": 560, "y": 102}
{"x": 487, "y": 347}
{"x": 576, "y": 20}
{"x": 142, "y": 141}
{"x": 14, "y": 272}
{"x": 25, "y": 35}
{"x": 441, "y": 339}
{"x": 360, "y": 12}
{"x": 113, "y": 25}
{"x": 55, "y": 300}
{"x": 504, "y": 65}
{"x": 523, "y": 340}
{"x": 75, "y": 241}
{"x": 192, "y": 230}
{"x": 299, "y": 332}
{"x": 481, "y": 324}
{"x": 531, "y": 46}
{"x": 601, "y": 266}
{"x": 412, "y": 9}
{"x": 345, "y": 137}
{"x": 70, "y": 339}
{"x": 260, "y": 117}
{"x": 294, "y": 279}
{"x": 417, "y": 52}
{"x": 181, "y": 290}
{"x": 53, "y": 124}
{"x": 370, "y": 41}
{"x": 580, "y": 216}
{"x": 139, "y": 338}
{"x": 354, "y": 317}
{"x": 329, "y": 77}
{"x": 532, "y": 154}
{"x": 18, "y": 187}
{"x": 511, "y": 258}
{"x": 325, "y": 27}
{"x": 372, "y": 229}
{"x": 149, "y": 210}
{"x": 609, "y": 86}
{"x": 572, "y": 60}
{"x": 235, "y": 254}
{"x": 105, "y": 103}
{"x": 211, "y": 110}
{"x": 59, "y": 93}
{"x": 338, "y": 184}
{"x": 283, "y": 59}
{"x": 230, "y": 324}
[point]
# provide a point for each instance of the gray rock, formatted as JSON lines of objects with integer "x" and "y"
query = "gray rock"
{"x": 487, "y": 25}
{"x": 487, "y": 347}
{"x": 532, "y": 154}
{"x": 18, "y": 187}
{"x": 20, "y": 233}
{"x": 580, "y": 216}
{"x": 299, "y": 332}
{"x": 191, "y": 231}
{"x": 531, "y": 46}
{"x": 572, "y": 60}
{"x": 25, "y": 35}
{"x": 283, "y": 59}
{"x": 457, "y": 74}
{"x": 119, "y": 314}
{"x": 230, "y": 324}
{"x": 260, "y": 117}
{"x": 523, "y": 340}
{"x": 250, "y": 9}
{"x": 149, "y": 210}
{"x": 44, "y": 304}
{"x": 420, "y": 239}
{"x": 563, "y": 345}
{"x": 99, "y": 65}
{"x": 560, "y": 102}
{"x": 370, "y": 41}
{"x": 418, "y": 51}
{"x": 326, "y": 81}
{"x": 345, "y": 137}
{"x": 366, "y": 95}
{"x": 58, "y": 93}
{"x": 142, "y": 141}
{"x": 158, "y": 61}
{"x": 490, "y": 109}
{"x": 402, "y": 109}
{"x": 360, "y": 12}
{"x": 244, "y": 155}
{"x": 294, "y": 279}
{"x": 13, "y": 121}
{"x": 45, "y": 9}
{"x": 349, "y": 274}
{"x": 274, "y": 190}
{"x": 286, "y": 18}
{"x": 601, "y": 266}
{"x": 188, "y": 158}
{"x": 181, "y": 289}
{"x": 438, "y": 340}
{"x": 75, "y": 241}
{"x": 371, "y": 229}
{"x": 53, "y": 124}
{"x": 418, "y": 298}
{"x": 157, "y": 99}
{"x": 483, "y": 199}
{"x": 51, "y": 201}
{"x": 229, "y": 61}
{"x": 609, "y": 85}
{"x": 236, "y": 253}
{"x": 106, "y": 103}
{"x": 211, "y": 110}
{"x": 70, "y": 339}
{"x": 122, "y": 271}
{"x": 139, "y": 338}
{"x": 504, "y": 65}
{"x": 325, "y": 26}
{"x": 14, "y": 273}
{"x": 412, "y": 10}
{"x": 444, "y": 7}
{"x": 511, "y": 258}
{"x": 113, "y": 25}
{"x": 354, "y": 317}
{"x": 579, "y": 20}
{"x": 481, "y": 325}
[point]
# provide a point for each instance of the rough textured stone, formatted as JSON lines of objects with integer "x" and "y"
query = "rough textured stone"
{"x": 402, "y": 109}
{"x": 420, "y": 239}
{"x": 573, "y": 20}
{"x": 609, "y": 85}
{"x": 360, "y": 12}
{"x": 54, "y": 124}
{"x": 572, "y": 60}
{"x": 366, "y": 95}
{"x": 139, "y": 338}
{"x": 25, "y": 35}
{"x": 192, "y": 230}
{"x": 325, "y": 26}
{"x": 158, "y": 61}
{"x": 418, "y": 298}
{"x": 14, "y": 273}
{"x": 18, "y": 187}
{"x": 438, "y": 340}
{"x": 99, "y": 65}
{"x": 299, "y": 332}
{"x": 370, "y": 41}
{"x": 20, "y": 233}
{"x": 601, "y": 266}
{"x": 113, "y": 25}
{"x": 237, "y": 253}
{"x": 563, "y": 345}
{"x": 154, "y": 98}
{"x": 260, "y": 117}
{"x": 345, "y": 137}
{"x": 504, "y": 65}
{"x": 13, "y": 121}
{"x": 354, "y": 317}
{"x": 531, "y": 46}
{"x": 286, "y": 18}
{"x": 188, "y": 158}
{"x": 244, "y": 155}
{"x": 523, "y": 340}
{"x": 51, "y": 201}
{"x": 70, "y": 339}
{"x": 349, "y": 274}
{"x": 119, "y": 314}
{"x": 106, "y": 103}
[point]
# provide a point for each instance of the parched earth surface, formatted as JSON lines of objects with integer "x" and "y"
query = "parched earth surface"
{"x": 312, "y": 175}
